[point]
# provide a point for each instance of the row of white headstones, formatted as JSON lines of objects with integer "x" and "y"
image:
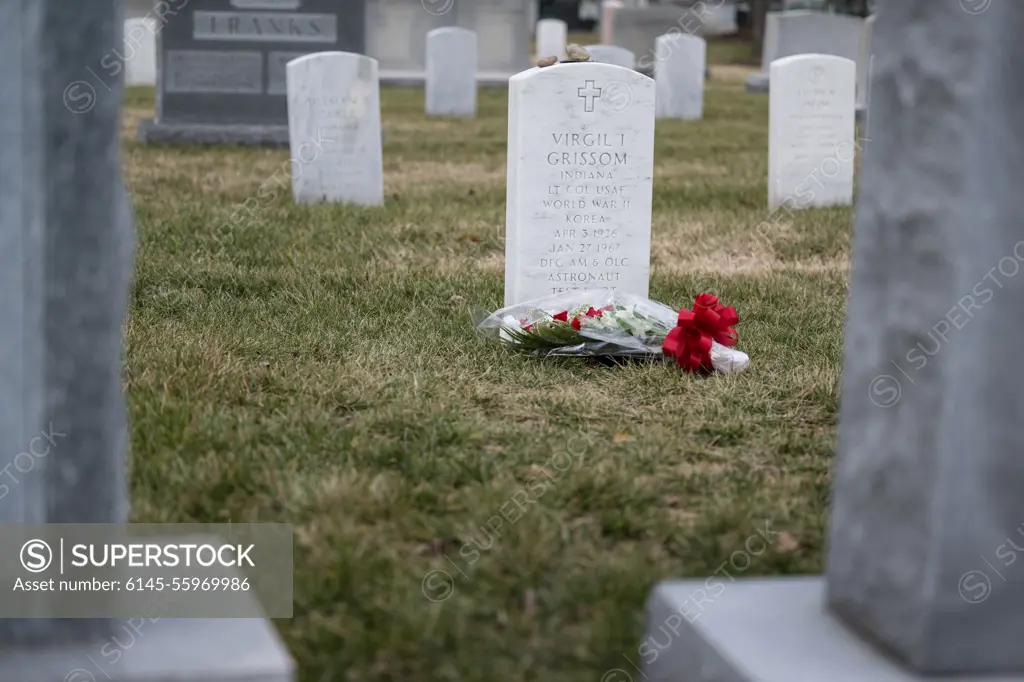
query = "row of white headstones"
{"x": 679, "y": 66}
{"x": 580, "y": 158}
{"x": 451, "y": 66}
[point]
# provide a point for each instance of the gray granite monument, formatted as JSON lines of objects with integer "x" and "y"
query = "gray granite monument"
{"x": 789, "y": 33}
{"x": 66, "y": 245}
{"x": 137, "y": 9}
{"x": 638, "y": 27}
{"x": 927, "y": 509}
{"x": 221, "y": 66}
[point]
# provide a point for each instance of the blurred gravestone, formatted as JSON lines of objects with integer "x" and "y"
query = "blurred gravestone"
{"x": 334, "y": 122}
{"x": 551, "y": 38}
{"x": 66, "y": 245}
{"x": 638, "y": 27}
{"x": 612, "y": 54}
{"x": 398, "y": 29}
{"x": 864, "y": 66}
{"x": 140, "y": 51}
{"x": 679, "y": 76}
{"x": 788, "y": 34}
{"x": 811, "y": 128}
{"x": 608, "y": 10}
{"x": 221, "y": 66}
{"x": 451, "y": 72}
{"x": 921, "y": 581}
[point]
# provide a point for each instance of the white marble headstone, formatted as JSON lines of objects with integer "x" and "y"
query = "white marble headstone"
{"x": 451, "y": 72}
{"x": 811, "y": 121}
{"x": 679, "y": 68}
{"x": 140, "y": 51}
{"x": 552, "y": 35}
{"x": 770, "y": 44}
{"x": 580, "y": 169}
{"x": 334, "y": 129}
{"x": 612, "y": 54}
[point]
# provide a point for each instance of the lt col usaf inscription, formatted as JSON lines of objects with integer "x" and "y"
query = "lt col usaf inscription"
{"x": 584, "y": 249}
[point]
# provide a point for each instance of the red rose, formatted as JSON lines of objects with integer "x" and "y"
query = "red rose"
{"x": 562, "y": 316}
{"x": 593, "y": 312}
{"x": 705, "y": 301}
{"x": 576, "y": 323}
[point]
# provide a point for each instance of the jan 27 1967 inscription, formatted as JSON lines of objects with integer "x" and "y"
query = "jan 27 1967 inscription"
{"x": 590, "y": 197}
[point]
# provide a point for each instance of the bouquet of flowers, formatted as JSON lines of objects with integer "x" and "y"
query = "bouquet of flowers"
{"x": 609, "y": 323}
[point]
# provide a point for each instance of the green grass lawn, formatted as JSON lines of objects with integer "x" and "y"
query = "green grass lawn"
{"x": 317, "y": 366}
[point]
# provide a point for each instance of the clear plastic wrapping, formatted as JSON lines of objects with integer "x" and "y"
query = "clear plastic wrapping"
{"x": 600, "y": 323}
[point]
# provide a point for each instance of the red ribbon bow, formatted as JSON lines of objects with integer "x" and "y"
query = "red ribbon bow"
{"x": 690, "y": 342}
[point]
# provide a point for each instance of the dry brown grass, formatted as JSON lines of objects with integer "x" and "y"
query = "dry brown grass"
{"x": 317, "y": 365}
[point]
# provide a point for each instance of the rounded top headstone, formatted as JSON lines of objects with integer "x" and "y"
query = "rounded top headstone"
{"x": 450, "y": 30}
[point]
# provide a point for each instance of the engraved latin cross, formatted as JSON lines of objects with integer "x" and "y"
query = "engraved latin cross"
{"x": 588, "y": 93}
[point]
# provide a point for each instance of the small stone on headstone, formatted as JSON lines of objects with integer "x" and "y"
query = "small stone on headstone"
{"x": 577, "y": 53}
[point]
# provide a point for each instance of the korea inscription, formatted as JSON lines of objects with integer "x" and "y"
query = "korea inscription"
{"x": 584, "y": 250}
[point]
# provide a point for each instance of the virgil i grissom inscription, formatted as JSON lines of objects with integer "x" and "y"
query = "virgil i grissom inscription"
{"x": 586, "y": 202}
{"x": 581, "y": 152}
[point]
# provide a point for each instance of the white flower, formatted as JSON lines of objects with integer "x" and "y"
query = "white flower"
{"x": 728, "y": 360}
{"x": 510, "y": 322}
{"x": 637, "y": 325}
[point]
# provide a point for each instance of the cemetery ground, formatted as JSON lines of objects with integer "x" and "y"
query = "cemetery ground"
{"x": 461, "y": 512}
